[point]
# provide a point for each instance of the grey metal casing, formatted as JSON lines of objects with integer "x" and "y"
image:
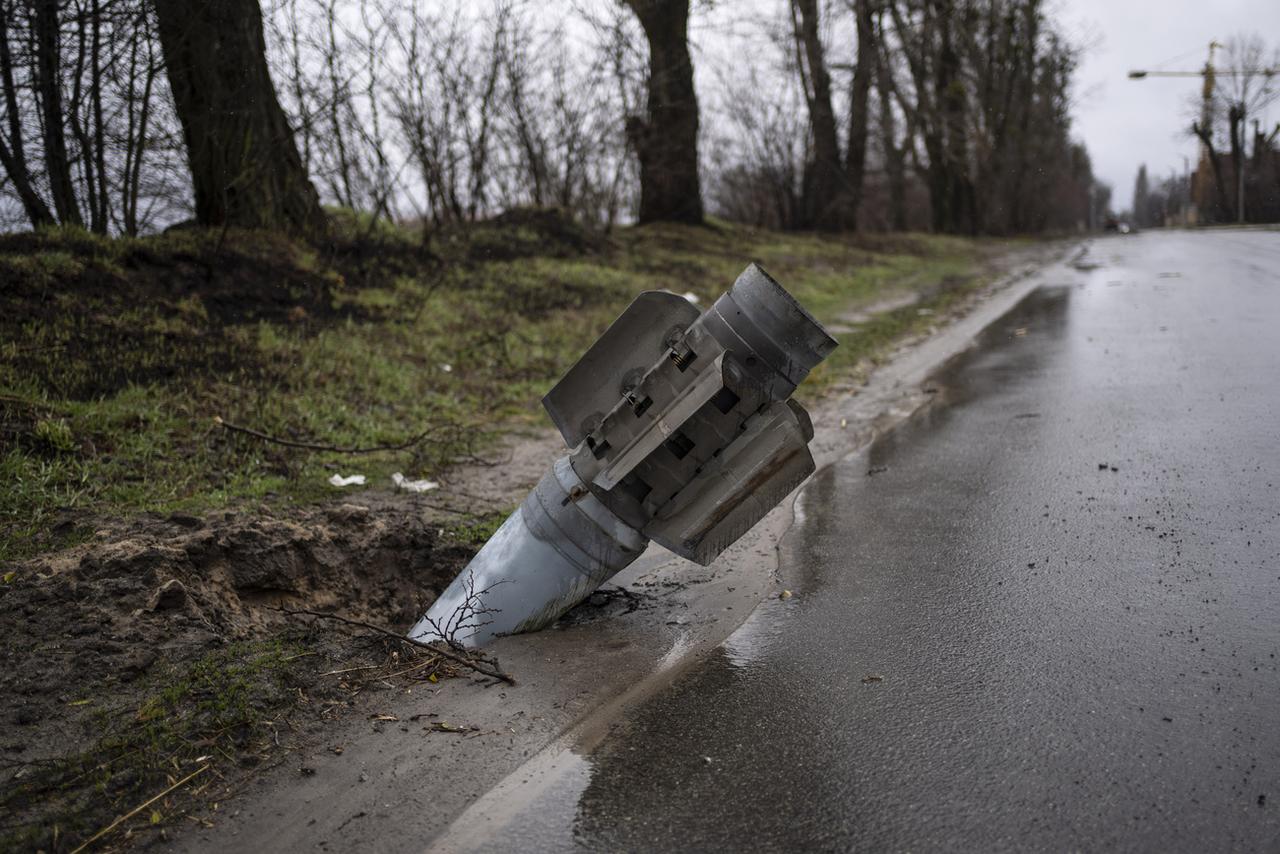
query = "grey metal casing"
{"x": 632, "y": 343}
{"x": 693, "y": 421}
{"x": 549, "y": 555}
{"x": 681, "y": 430}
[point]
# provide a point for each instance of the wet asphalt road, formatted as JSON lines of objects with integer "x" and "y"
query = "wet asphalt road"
{"x": 1044, "y": 614}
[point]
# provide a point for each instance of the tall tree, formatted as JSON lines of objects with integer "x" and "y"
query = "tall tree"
{"x": 666, "y": 139}
{"x": 245, "y": 167}
{"x": 893, "y": 152}
{"x": 954, "y": 184}
{"x": 825, "y": 198}
{"x": 938, "y": 110}
{"x": 1210, "y": 154}
{"x": 856, "y": 153}
{"x": 13, "y": 153}
{"x": 1245, "y": 94}
{"x": 49, "y": 91}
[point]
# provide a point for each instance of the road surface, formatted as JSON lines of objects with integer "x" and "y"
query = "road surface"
{"x": 1043, "y": 614}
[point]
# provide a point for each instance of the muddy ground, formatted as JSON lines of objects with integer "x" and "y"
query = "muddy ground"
{"x": 158, "y": 646}
{"x": 94, "y": 637}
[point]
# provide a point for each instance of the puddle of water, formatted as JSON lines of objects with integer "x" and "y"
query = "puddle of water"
{"x": 533, "y": 810}
{"x": 536, "y": 806}
{"x": 678, "y": 650}
{"x": 753, "y": 638}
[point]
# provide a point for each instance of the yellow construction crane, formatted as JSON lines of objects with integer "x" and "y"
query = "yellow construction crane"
{"x": 1209, "y": 73}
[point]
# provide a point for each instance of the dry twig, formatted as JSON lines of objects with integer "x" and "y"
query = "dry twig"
{"x": 318, "y": 446}
{"x": 484, "y": 668}
{"x": 139, "y": 808}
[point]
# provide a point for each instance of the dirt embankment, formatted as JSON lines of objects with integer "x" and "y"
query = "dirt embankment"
{"x": 162, "y": 635}
{"x": 169, "y": 582}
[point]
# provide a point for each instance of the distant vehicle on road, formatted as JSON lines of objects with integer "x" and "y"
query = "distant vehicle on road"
{"x": 1119, "y": 226}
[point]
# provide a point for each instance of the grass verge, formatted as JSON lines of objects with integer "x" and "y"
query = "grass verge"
{"x": 118, "y": 354}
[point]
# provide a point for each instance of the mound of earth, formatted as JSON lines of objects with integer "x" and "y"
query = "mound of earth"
{"x": 526, "y": 232}
{"x": 88, "y": 624}
{"x": 111, "y": 606}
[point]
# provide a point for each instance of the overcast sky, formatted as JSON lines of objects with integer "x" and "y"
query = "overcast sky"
{"x": 1126, "y": 122}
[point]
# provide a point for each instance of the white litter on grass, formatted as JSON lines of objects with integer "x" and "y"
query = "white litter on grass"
{"x": 347, "y": 480}
{"x": 407, "y": 485}
{"x": 446, "y": 367}
{"x": 691, "y": 297}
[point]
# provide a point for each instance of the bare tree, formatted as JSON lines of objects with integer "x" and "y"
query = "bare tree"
{"x": 85, "y": 140}
{"x": 859, "y": 102}
{"x": 936, "y": 108}
{"x": 762, "y": 155}
{"x": 893, "y": 152}
{"x": 666, "y": 139}
{"x": 988, "y": 96}
{"x": 13, "y": 153}
{"x": 48, "y": 38}
{"x": 445, "y": 109}
{"x": 825, "y": 187}
{"x": 456, "y": 111}
{"x": 137, "y": 88}
{"x": 1241, "y": 95}
{"x": 245, "y": 166}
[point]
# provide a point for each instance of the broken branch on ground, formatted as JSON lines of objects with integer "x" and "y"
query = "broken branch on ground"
{"x": 479, "y": 664}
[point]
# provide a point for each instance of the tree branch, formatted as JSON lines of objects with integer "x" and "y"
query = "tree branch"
{"x": 139, "y": 808}
{"x": 484, "y": 668}
{"x": 317, "y": 446}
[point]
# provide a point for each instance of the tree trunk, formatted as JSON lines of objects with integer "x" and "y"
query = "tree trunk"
{"x": 57, "y": 165}
{"x": 666, "y": 140}
{"x": 894, "y": 154}
{"x": 1215, "y": 163}
{"x": 13, "y": 157}
{"x": 88, "y": 160}
{"x": 856, "y": 153}
{"x": 826, "y": 199}
{"x": 956, "y": 212}
{"x": 1235, "y": 121}
{"x": 245, "y": 167}
{"x": 938, "y": 112}
{"x": 103, "y": 214}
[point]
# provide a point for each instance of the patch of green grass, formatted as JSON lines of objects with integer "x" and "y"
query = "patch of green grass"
{"x": 196, "y": 713}
{"x": 875, "y": 338}
{"x": 118, "y": 354}
{"x": 475, "y": 531}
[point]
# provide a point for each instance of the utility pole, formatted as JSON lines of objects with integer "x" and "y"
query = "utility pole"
{"x": 1186, "y": 188}
{"x": 1240, "y": 174}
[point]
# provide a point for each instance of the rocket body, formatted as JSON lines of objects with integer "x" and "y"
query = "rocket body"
{"x": 681, "y": 430}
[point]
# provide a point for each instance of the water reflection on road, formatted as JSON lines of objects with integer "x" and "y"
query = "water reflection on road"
{"x": 1043, "y": 613}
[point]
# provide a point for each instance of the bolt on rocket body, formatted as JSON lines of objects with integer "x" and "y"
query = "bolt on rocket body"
{"x": 682, "y": 432}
